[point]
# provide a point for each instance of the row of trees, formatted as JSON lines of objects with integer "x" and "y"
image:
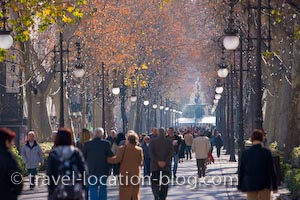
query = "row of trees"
{"x": 149, "y": 44}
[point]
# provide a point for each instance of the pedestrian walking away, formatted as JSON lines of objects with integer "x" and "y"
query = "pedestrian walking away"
{"x": 9, "y": 190}
{"x": 130, "y": 157}
{"x": 256, "y": 171}
{"x": 66, "y": 164}
{"x": 96, "y": 153}
{"x": 161, "y": 152}
{"x": 201, "y": 147}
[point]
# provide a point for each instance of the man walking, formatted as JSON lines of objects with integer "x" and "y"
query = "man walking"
{"x": 96, "y": 153}
{"x": 188, "y": 138}
{"x": 176, "y": 142}
{"x": 145, "y": 147}
{"x": 161, "y": 151}
{"x": 256, "y": 171}
{"x": 201, "y": 147}
{"x": 32, "y": 155}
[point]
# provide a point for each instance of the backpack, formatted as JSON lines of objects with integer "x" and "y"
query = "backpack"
{"x": 70, "y": 180}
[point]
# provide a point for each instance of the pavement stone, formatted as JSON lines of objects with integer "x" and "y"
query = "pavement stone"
{"x": 220, "y": 184}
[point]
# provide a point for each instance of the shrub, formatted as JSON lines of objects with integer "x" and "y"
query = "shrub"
{"x": 46, "y": 148}
{"x": 19, "y": 160}
{"x": 296, "y": 157}
{"x": 292, "y": 181}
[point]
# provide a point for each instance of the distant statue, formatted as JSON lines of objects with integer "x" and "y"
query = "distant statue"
{"x": 197, "y": 94}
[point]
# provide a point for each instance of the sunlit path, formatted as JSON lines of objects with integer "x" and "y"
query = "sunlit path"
{"x": 185, "y": 188}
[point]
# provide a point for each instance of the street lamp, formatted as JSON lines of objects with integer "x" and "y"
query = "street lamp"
{"x": 6, "y": 41}
{"x": 78, "y": 73}
{"x": 219, "y": 87}
{"x": 146, "y": 102}
{"x": 231, "y": 39}
{"x": 116, "y": 90}
{"x": 217, "y": 96}
{"x": 223, "y": 71}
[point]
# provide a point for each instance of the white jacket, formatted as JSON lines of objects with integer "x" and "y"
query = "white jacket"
{"x": 201, "y": 147}
{"x": 32, "y": 156}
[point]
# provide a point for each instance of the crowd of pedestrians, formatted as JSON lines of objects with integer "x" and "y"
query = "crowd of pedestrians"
{"x": 95, "y": 157}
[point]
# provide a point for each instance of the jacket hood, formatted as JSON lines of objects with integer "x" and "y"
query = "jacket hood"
{"x": 65, "y": 152}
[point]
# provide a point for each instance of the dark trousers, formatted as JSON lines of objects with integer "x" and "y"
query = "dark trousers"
{"x": 146, "y": 166}
{"x": 159, "y": 184}
{"x": 32, "y": 173}
{"x": 218, "y": 151}
{"x": 188, "y": 152}
{"x": 201, "y": 165}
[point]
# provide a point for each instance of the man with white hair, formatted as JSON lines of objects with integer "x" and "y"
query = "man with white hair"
{"x": 32, "y": 155}
{"x": 96, "y": 152}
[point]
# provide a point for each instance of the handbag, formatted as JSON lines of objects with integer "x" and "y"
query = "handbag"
{"x": 211, "y": 158}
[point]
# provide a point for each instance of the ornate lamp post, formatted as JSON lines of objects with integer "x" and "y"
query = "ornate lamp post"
{"x": 78, "y": 72}
{"x": 6, "y": 41}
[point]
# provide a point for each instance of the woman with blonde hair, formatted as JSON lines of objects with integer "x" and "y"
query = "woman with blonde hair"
{"x": 130, "y": 157}
{"x": 83, "y": 138}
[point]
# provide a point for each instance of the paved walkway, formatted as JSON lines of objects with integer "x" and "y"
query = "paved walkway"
{"x": 219, "y": 184}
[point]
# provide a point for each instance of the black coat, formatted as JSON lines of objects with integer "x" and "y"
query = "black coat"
{"x": 8, "y": 167}
{"x": 256, "y": 170}
{"x": 218, "y": 142}
{"x": 96, "y": 153}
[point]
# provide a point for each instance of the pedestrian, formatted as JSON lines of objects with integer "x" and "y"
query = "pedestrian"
{"x": 147, "y": 160}
{"x": 84, "y": 136}
{"x": 120, "y": 139}
{"x": 218, "y": 144}
{"x": 153, "y": 134}
{"x": 130, "y": 157}
{"x": 9, "y": 190}
{"x": 66, "y": 164}
{"x": 53, "y": 136}
{"x": 176, "y": 142}
{"x": 32, "y": 156}
{"x": 188, "y": 139}
{"x": 256, "y": 171}
{"x": 201, "y": 147}
{"x": 182, "y": 148}
{"x": 161, "y": 152}
{"x": 112, "y": 138}
{"x": 96, "y": 152}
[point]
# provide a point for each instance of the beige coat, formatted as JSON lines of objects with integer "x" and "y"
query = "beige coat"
{"x": 188, "y": 139}
{"x": 130, "y": 158}
{"x": 201, "y": 147}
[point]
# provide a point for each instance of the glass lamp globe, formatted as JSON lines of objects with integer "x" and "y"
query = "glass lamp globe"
{"x": 217, "y": 96}
{"x": 79, "y": 73}
{"x": 133, "y": 98}
{"x": 223, "y": 72}
{"x": 231, "y": 42}
{"x": 116, "y": 90}
{"x": 167, "y": 108}
{"x": 146, "y": 102}
{"x": 216, "y": 101}
{"x": 154, "y": 106}
{"x": 6, "y": 41}
{"x": 219, "y": 90}
{"x": 161, "y": 107}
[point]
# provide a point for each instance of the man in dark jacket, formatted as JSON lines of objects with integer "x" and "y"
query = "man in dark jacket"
{"x": 161, "y": 151}
{"x": 176, "y": 142}
{"x": 96, "y": 153}
{"x": 145, "y": 146}
{"x": 10, "y": 174}
{"x": 256, "y": 171}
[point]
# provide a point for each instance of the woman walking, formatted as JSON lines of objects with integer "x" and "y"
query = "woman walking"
{"x": 130, "y": 157}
